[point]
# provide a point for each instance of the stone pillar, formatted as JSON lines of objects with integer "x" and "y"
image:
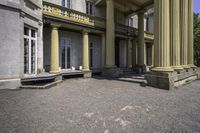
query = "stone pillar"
{"x": 161, "y": 40}
{"x": 54, "y": 49}
{"x": 134, "y": 53}
{"x": 128, "y": 53}
{"x": 103, "y": 50}
{"x": 110, "y": 69}
{"x": 184, "y": 33}
{"x": 152, "y": 54}
{"x": 175, "y": 34}
{"x": 86, "y": 69}
{"x": 110, "y": 35}
{"x": 190, "y": 35}
{"x": 141, "y": 42}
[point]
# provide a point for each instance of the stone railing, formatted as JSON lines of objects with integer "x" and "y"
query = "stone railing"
{"x": 148, "y": 35}
{"x": 125, "y": 30}
{"x": 67, "y": 14}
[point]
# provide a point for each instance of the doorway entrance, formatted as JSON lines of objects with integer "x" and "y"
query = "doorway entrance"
{"x": 65, "y": 53}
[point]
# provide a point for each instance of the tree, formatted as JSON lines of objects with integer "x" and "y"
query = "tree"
{"x": 196, "y": 39}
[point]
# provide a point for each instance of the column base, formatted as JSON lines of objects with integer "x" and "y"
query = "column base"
{"x": 186, "y": 66}
{"x": 177, "y": 67}
{"x": 111, "y": 72}
{"x": 171, "y": 80}
{"x": 162, "y": 69}
{"x": 192, "y": 66}
{"x": 55, "y": 71}
{"x": 87, "y": 74}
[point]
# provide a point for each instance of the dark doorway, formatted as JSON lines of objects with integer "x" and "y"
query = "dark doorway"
{"x": 117, "y": 51}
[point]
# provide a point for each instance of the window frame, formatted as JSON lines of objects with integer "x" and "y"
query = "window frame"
{"x": 30, "y": 39}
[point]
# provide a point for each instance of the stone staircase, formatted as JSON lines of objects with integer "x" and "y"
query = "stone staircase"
{"x": 127, "y": 71}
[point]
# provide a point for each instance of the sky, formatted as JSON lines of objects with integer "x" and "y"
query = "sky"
{"x": 197, "y": 6}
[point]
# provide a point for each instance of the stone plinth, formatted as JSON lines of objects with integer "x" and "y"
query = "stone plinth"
{"x": 171, "y": 80}
{"x": 112, "y": 72}
{"x": 87, "y": 74}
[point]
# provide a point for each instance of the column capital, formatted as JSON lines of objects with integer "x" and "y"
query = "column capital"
{"x": 55, "y": 26}
{"x": 85, "y": 31}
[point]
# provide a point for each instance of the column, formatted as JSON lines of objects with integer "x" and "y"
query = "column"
{"x": 141, "y": 42}
{"x": 103, "y": 51}
{"x": 85, "y": 52}
{"x": 152, "y": 54}
{"x": 54, "y": 49}
{"x": 175, "y": 34}
{"x": 110, "y": 35}
{"x": 128, "y": 53}
{"x": 184, "y": 33}
{"x": 161, "y": 40}
{"x": 190, "y": 35}
{"x": 134, "y": 53}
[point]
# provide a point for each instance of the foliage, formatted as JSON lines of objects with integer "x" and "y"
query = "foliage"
{"x": 197, "y": 39}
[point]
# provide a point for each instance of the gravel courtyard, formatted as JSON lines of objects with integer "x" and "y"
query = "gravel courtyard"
{"x": 100, "y": 106}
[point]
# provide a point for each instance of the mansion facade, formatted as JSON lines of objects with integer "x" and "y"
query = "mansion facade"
{"x": 49, "y": 39}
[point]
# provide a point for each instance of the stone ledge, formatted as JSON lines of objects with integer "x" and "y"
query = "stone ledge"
{"x": 10, "y": 84}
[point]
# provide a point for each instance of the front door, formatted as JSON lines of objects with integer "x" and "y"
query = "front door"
{"x": 65, "y": 53}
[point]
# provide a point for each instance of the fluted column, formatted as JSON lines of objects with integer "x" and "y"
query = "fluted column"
{"x": 141, "y": 43}
{"x": 161, "y": 40}
{"x": 184, "y": 33}
{"x": 128, "y": 53}
{"x": 103, "y": 50}
{"x": 175, "y": 34}
{"x": 152, "y": 55}
{"x": 190, "y": 34}
{"x": 110, "y": 34}
{"x": 85, "y": 51}
{"x": 54, "y": 67}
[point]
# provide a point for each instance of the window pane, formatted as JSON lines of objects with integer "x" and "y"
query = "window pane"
{"x": 26, "y": 56}
{"x": 32, "y": 33}
{"x": 63, "y": 56}
{"x": 68, "y": 57}
{"x": 26, "y": 31}
{"x": 63, "y": 3}
{"x": 32, "y": 56}
{"x": 68, "y": 3}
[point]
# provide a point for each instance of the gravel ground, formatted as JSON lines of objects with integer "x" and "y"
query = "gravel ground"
{"x": 101, "y": 106}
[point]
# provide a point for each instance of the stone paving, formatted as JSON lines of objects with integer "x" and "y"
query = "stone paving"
{"x": 101, "y": 106}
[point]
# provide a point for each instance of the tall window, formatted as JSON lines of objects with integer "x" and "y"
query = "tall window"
{"x": 91, "y": 54}
{"x": 89, "y": 8}
{"x": 130, "y": 22}
{"x": 147, "y": 24}
{"x": 30, "y": 43}
{"x": 66, "y": 3}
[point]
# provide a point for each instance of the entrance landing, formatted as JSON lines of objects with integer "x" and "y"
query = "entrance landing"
{"x": 45, "y": 79}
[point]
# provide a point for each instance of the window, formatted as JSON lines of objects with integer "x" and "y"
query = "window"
{"x": 66, "y": 3}
{"x": 130, "y": 22}
{"x": 147, "y": 24}
{"x": 89, "y": 8}
{"x": 91, "y": 54}
{"x": 65, "y": 56}
{"x": 30, "y": 43}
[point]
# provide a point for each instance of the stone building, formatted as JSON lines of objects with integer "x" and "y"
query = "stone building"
{"x": 50, "y": 39}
